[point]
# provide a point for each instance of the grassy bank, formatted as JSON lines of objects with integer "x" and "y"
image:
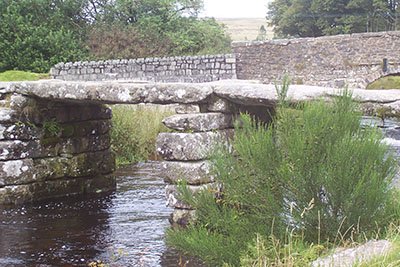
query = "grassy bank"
{"x": 17, "y": 75}
{"x": 388, "y": 82}
{"x": 135, "y": 128}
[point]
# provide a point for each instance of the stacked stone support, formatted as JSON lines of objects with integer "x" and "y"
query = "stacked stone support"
{"x": 187, "y": 152}
{"x": 50, "y": 149}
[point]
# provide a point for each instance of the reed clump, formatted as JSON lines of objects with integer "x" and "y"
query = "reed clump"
{"x": 134, "y": 131}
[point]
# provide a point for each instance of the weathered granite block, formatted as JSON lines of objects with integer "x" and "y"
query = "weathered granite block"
{"x": 17, "y": 149}
{"x": 172, "y": 194}
{"x": 8, "y": 115}
{"x": 182, "y": 217}
{"x": 24, "y": 171}
{"x": 217, "y": 104}
{"x": 194, "y": 173}
{"x": 190, "y": 146}
{"x": 201, "y": 122}
{"x": 187, "y": 108}
{"x": 11, "y": 195}
{"x": 19, "y": 131}
{"x": 51, "y": 147}
{"x": 38, "y": 111}
{"x": 75, "y": 145}
{"x": 81, "y": 165}
{"x": 86, "y": 128}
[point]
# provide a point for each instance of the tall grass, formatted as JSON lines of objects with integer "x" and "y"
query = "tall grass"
{"x": 313, "y": 177}
{"x": 134, "y": 131}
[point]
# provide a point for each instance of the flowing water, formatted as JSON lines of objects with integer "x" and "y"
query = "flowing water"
{"x": 125, "y": 228}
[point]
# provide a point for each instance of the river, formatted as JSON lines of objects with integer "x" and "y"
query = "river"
{"x": 124, "y": 228}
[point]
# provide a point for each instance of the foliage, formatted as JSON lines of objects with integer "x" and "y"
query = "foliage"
{"x": 302, "y": 18}
{"x": 283, "y": 89}
{"x": 151, "y": 37}
{"x": 51, "y": 128}
{"x": 315, "y": 174}
{"x": 129, "y": 12}
{"x": 16, "y": 75}
{"x": 387, "y": 82}
{"x": 135, "y": 130}
{"x": 34, "y": 35}
{"x": 262, "y": 34}
{"x": 273, "y": 252}
{"x": 112, "y": 41}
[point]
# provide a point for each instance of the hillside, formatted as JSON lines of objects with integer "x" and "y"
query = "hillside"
{"x": 242, "y": 29}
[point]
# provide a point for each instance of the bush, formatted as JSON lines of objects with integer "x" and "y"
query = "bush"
{"x": 117, "y": 41}
{"x": 314, "y": 174}
{"x": 152, "y": 37}
{"x": 134, "y": 131}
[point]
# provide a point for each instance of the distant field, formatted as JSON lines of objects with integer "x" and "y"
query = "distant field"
{"x": 242, "y": 29}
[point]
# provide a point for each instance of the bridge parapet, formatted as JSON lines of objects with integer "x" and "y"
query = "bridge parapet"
{"x": 193, "y": 69}
{"x": 332, "y": 61}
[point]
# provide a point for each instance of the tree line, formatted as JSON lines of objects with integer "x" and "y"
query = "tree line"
{"x": 312, "y": 18}
{"x": 36, "y": 34}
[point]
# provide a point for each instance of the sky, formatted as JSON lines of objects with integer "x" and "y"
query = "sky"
{"x": 235, "y": 8}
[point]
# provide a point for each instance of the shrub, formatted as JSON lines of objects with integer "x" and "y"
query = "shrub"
{"x": 134, "y": 131}
{"x": 314, "y": 173}
{"x": 116, "y": 41}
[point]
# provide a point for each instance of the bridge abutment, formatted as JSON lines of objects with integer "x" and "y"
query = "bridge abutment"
{"x": 50, "y": 149}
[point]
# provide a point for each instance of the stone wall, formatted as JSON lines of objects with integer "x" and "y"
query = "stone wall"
{"x": 50, "y": 149}
{"x": 334, "y": 61}
{"x": 193, "y": 69}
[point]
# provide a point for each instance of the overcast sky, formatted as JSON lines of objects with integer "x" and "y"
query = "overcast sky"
{"x": 235, "y": 8}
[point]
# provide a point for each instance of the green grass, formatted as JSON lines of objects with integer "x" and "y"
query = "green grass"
{"x": 17, "y": 75}
{"x": 134, "y": 131}
{"x": 388, "y": 82}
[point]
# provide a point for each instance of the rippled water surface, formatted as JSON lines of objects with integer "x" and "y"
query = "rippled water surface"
{"x": 125, "y": 228}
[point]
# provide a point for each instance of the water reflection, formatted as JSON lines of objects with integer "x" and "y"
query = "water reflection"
{"x": 125, "y": 228}
{"x": 56, "y": 233}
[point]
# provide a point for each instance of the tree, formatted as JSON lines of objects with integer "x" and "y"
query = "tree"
{"x": 34, "y": 35}
{"x": 303, "y": 18}
{"x": 131, "y": 11}
{"x": 262, "y": 34}
{"x": 168, "y": 27}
